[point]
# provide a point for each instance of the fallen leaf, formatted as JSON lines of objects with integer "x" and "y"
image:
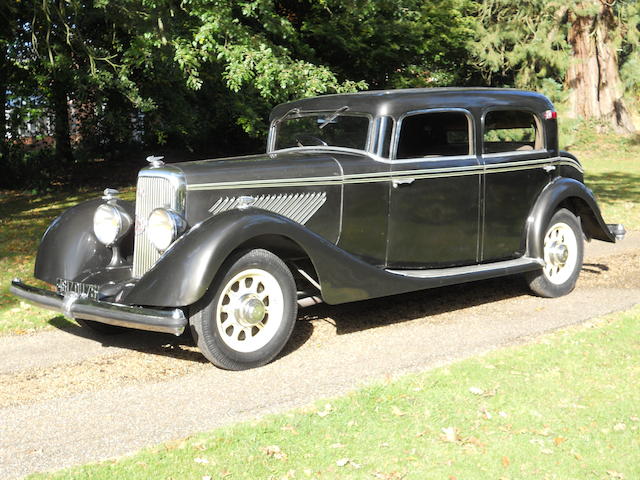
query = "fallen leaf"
{"x": 450, "y": 434}
{"x": 505, "y": 461}
{"x": 613, "y": 474}
{"x": 397, "y": 412}
{"x": 289, "y": 428}
{"x": 559, "y": 440}
{"x": 619, "y": 427}
{"x": 275, "y": 452}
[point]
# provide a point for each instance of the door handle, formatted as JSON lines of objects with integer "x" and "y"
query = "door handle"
{"x": 549, "y": 168}
{"x": 396, "y": 182}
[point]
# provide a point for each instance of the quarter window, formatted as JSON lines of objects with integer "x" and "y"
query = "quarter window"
{"x": 511, "y": 130}
{"x": 435, "y": 134}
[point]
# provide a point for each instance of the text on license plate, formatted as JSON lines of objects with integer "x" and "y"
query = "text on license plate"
{"x": 86, "y": 290}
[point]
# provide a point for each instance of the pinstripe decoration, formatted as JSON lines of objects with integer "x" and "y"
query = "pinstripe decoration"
{"x": 299, "y": 207}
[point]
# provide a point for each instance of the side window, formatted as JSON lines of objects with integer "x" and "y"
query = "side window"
{"x": 435, "y": 134}
{"x": 510, "y": 131}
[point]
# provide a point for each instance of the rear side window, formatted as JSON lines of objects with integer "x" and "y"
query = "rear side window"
{"x": 511, "y": 131}
{"x": 435, "y": 134}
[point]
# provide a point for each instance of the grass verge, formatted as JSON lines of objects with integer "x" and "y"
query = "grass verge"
{"x": 565, "y": 407}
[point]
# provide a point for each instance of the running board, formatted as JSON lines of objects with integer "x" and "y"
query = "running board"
{"x": 475, "y": 272}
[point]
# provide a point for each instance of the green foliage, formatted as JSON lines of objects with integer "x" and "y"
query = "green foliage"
{"x": 525, "y": 43}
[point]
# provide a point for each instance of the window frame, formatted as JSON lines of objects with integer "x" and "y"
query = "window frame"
{"x": 539, "y": 125}
{"x": 273, "y": 129}
{"x": 397, "y": 129}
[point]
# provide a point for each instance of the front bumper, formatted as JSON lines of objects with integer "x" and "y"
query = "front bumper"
{"x": 75, "y": 306}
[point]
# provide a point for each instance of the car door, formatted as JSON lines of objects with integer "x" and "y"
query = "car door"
{"x": 434, "y": 197}
{"x": 516, "y": 162}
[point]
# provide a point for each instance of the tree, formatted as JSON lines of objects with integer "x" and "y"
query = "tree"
{"x": 546, "y": 44}
{"x": 593, "y": 76}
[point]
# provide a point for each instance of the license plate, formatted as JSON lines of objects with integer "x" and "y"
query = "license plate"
{"x": 85, "y": 290}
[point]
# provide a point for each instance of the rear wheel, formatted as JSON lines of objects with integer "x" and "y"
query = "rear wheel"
{"x": 563, "y": 252}
{"x": 249, "y": 313}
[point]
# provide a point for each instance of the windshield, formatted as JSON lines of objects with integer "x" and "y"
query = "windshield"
{"x": 326, "y": 128}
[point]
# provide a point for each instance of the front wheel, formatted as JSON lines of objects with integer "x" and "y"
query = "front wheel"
{"x": 563, "y": 252}
{"x": 249, "y": 313}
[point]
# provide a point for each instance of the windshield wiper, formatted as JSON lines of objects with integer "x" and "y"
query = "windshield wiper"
{"x": 333, "y": 116}
{"x": 286, "y": 114}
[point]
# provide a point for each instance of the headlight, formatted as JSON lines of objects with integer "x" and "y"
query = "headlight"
{"x": 110, "y": 223}
{"x": 163, "y": 227}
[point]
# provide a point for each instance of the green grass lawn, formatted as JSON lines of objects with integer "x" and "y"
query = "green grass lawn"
{"x": 612, "y": 165}
{"x": 612, "y": 171}
{"x": 564, "y": 407}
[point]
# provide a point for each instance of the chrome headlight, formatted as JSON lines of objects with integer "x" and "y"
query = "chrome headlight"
{"x": 163, "y": 227}
{"x": 110, "y": 223}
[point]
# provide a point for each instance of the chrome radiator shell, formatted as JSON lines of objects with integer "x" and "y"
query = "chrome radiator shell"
{"x": 160, "y": 187}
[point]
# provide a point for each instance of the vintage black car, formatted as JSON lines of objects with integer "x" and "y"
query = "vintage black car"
{"x": 358, "y": 196}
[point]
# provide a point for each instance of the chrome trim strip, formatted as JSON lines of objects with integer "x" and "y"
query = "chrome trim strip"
{"x": 387, "y": 176}
{"x": 75, "y": 306}
{"x": 518, "y": 263}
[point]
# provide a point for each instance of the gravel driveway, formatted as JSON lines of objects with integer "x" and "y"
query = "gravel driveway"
{"x": 67, "y": 397}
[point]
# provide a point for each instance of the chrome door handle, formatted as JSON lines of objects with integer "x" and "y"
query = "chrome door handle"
{"x": 396, "y": 182}
{"x": 549, "y": 168}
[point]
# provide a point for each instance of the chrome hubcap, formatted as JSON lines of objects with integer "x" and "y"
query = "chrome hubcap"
{"x": 560, "y": 253}
{"x": 250, "y": 310}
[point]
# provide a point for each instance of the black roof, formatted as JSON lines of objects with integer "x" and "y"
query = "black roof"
{"x": 396, "y": 102}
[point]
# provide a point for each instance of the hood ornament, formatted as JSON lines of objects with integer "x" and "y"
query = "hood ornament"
{"x": 155, "y": 161}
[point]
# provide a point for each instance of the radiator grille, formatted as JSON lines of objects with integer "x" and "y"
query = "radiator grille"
{"x": 151, "y": 193}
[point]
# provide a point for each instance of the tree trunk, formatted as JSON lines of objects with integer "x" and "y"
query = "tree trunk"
{"x": 593, "y": 75}
{"x": 60, "y": 106}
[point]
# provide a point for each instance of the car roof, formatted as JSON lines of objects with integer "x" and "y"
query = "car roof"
{"x": 396, "y": 102}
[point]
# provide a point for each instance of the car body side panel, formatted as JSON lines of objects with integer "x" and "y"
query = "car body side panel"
{"x": 512, "y": 185}
{"x": 365, "y": 208}
{"x": 434, "y": 216}
{"x": 69, "y": 249}
{"x": 197, "y": 257}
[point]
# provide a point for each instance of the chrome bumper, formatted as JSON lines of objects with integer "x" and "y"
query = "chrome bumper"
{"x": 75, "y": 306}
{"x": 617, "y": 230}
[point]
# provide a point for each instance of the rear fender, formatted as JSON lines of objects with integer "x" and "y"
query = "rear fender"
{"x": 69, "y": 249}
{"x": 578, "y": 198}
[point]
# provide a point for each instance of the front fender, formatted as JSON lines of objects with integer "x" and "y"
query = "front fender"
{"x": 69, "y": 248}
{"x": 184, "y": 273}
{"x": 571, "y": 192}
